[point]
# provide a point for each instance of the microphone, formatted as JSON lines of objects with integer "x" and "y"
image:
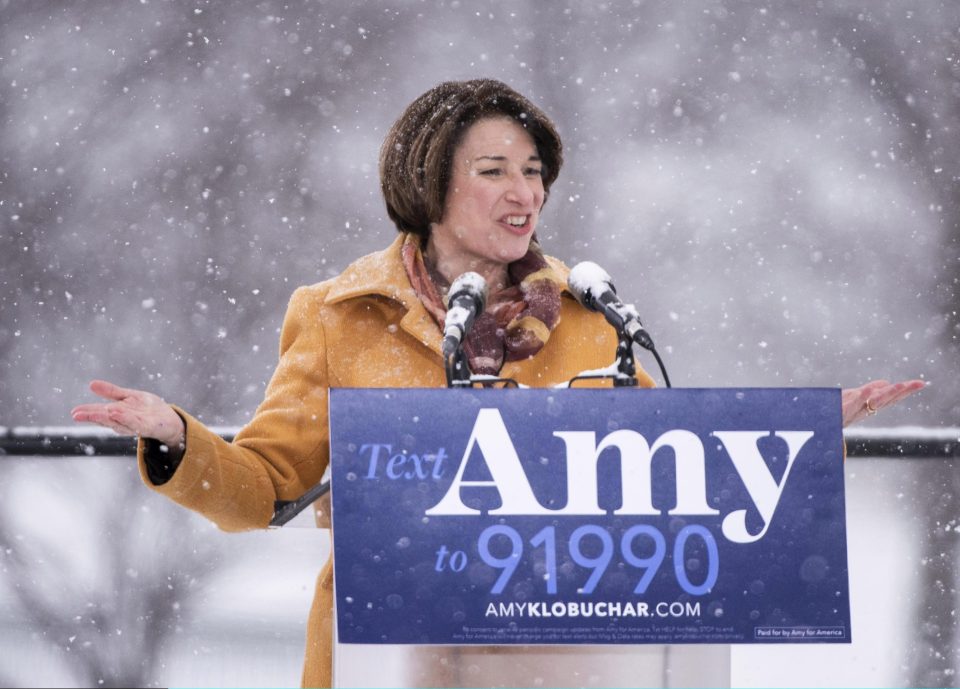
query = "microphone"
{"x": 467, "y": 297}
{"x": 593, "y": 288}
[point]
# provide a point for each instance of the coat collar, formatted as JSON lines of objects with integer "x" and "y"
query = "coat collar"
{"x": 382, "y": 273}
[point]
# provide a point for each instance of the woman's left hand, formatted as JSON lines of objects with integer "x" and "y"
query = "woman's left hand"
{"x": 867, "y": 400}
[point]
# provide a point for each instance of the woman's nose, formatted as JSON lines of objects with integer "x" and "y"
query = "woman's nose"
{"x": 521, "y": 190}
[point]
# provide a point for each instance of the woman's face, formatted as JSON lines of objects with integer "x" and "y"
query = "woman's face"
{"x": 493, "y": 202}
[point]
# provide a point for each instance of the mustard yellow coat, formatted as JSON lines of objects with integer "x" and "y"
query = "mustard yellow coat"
{"x": 364, "y": 328}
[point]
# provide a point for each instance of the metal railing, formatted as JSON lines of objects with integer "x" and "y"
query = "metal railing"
{"x": 69, "y": 441}
{"x": 74, "y": 441}
{"x": 31, "y": 441}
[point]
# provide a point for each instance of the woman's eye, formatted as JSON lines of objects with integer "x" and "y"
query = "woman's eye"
{"x": 492, "y": 172}
{"x": 533, "y": 172}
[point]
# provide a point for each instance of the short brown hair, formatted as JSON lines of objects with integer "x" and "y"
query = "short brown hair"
{"x": 415, "y": 159}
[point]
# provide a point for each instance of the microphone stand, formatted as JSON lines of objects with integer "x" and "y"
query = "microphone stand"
{"x": 626, "y": 366}
{"x": 459, "y": 375}
{"x": 626, "y": 375}
{"x": 457, "y": 369}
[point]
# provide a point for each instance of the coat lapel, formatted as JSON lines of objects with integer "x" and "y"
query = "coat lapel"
{"x": 382, "y": 274}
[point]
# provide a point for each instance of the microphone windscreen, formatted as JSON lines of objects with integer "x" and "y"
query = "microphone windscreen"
{"x": 469, "y": 284}
{"x": 587, "y": 281}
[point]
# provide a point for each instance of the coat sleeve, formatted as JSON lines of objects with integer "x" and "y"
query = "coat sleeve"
{"x": 284, "y": 449}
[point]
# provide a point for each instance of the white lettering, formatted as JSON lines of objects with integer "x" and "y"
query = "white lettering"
{"x": 636, "y": 467}
{"x": 759, "y": 482}
{"x": 490, "y": 436}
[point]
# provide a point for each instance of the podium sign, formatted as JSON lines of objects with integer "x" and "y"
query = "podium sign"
{"x": 588, "y": 516}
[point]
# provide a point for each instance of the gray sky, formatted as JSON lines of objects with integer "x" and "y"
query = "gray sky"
{"x": 774, "y": 187}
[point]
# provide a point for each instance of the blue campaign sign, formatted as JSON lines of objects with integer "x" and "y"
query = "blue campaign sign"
{"x": 588, "y": 516}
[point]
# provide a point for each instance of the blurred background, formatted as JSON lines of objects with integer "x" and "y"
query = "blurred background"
{"x": 774, "y": 185}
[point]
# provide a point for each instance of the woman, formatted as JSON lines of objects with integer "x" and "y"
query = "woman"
{"x": 465, "y": 172}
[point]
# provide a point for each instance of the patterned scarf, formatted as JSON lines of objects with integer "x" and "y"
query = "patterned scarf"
{"x": 517, "y": 320}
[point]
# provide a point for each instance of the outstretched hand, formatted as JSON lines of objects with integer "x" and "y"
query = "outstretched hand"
{"x": 867, "y": 400}
{"x": 132, "y": 412}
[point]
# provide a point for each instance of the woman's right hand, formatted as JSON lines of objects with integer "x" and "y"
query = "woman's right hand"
{"x": 132, "y": 412}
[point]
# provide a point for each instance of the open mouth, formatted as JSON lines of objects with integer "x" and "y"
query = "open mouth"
{"x": 517, "y": 223}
